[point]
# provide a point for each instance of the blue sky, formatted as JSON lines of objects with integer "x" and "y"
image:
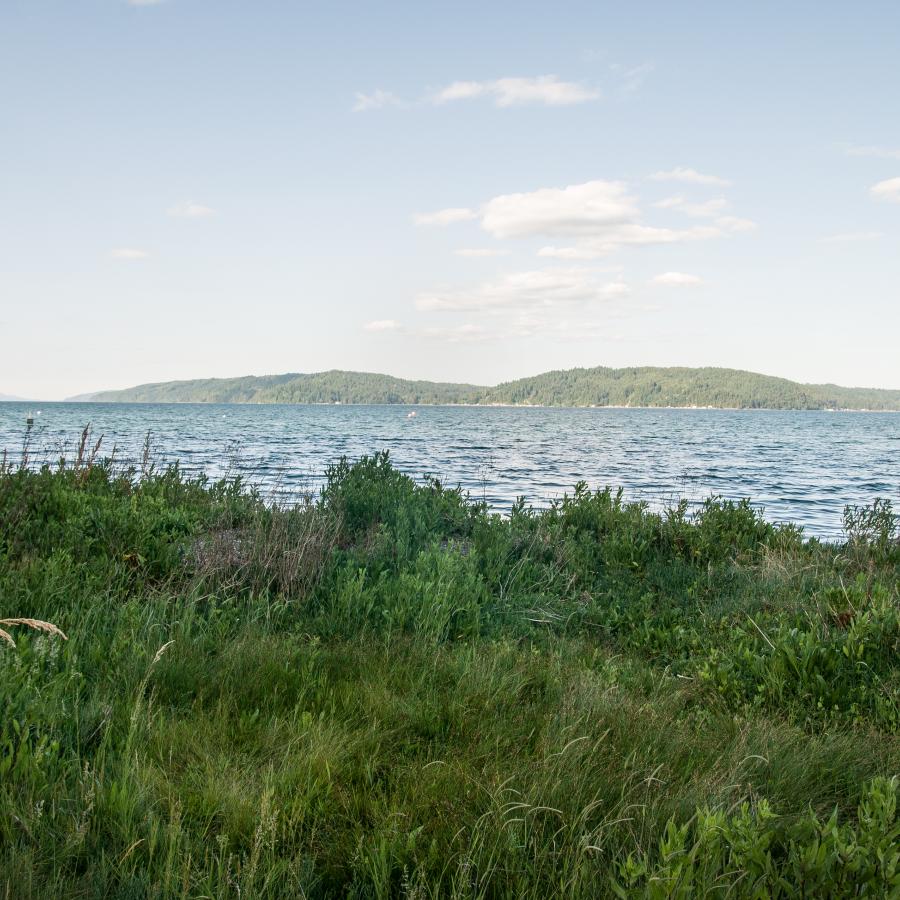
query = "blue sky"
{"x": 455, "y": 191}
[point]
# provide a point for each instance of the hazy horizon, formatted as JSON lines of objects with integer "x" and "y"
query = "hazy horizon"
{"x": 463, "y": 194}
{"x": 88, "y": 394}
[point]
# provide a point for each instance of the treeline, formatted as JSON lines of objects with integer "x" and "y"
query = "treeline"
{"x": 601, "y": 386}
{"x": 653, "y": 386}
{"x": 319, "y": 387}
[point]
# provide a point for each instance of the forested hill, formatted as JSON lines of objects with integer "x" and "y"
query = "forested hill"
{"x": 726, "y": 388}
{"x": 319, "y": 387}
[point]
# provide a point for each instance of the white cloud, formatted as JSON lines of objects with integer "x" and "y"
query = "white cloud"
{"x": 601, "y": 217}
{"x": 735, "y": 223}
{"x": 460, "y": 90}
{"x": 383, "y": 325}
{"x": 615, "y": 289}
{"x": 878, "y": 152}
{"x": 574, "y": 210}
{"x": 542, "y": 289}
{"x": 630, "y": 234}
{"x": 480, "y": 252}
{"x": 708, "y": 209}
{"x": 677, "y": 279}
{"x": 546, "y": 89}
{"x": 852, "y": 237}
{"x": 445, "y": 216}
{"x": 675, "y": 202}
{"x": 689, "y": 176}
{"x": 378, "y": 99}
{"x": 191, "y": 211}
{"x": 129, "y": 253}
{"x": 887, "y": 190}
{"x": 581, "y": 252}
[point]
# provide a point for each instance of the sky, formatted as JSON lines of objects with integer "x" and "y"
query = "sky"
{"x": 452, "y": 191}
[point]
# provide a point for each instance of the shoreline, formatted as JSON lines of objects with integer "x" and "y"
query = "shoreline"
{"x": 450, "y": 405}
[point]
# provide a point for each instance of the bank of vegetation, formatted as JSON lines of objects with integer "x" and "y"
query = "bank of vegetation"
{"x": 637, "y": 387}
{"x": 388, "y": 691}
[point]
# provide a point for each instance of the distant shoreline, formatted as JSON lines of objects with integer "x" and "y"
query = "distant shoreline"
{"x": 405, "y": 404}
{"x": 601, "y": 387}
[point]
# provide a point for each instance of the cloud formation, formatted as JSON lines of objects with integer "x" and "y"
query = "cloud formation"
{"x": 887, "y": 190}
{"x": 382, "y": 325}
{"x": 707, "y": 209}
{"x": 546, "y": 90}
{"x": 735, "y": 223}
{"x": 191, "y": 211}
{"x": 589, "y": 220}
{"x": 543, "y": 90}
{"x": 378, "y": 99}
{"x": 579, "y": 209}
{"x": 519, "y": 291}
{"x": 689, "y": 176}
{"x": 601, "y": 217}
{"x": 677, "y": 279}
{"x": 129, "y": 253}
{"x": 629, "y": 235}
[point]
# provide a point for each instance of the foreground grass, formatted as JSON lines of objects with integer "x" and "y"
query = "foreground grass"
{"x": 391, "y": 692}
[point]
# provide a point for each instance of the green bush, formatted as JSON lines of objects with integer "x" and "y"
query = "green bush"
{"x": 751, "y": 853}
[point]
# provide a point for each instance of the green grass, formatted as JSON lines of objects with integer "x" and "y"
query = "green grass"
{"x": 387, "y": 691}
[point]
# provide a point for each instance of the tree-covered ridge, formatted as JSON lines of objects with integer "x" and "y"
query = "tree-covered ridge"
{"x": 655, "y": 386}
{"x": 334, "y": 386}
{"x": 600, "y": 386}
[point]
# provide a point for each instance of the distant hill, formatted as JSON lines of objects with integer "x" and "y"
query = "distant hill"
{"x": 650, "y": 386}
{"x": 601, "y": 386}
{"x": 11, "y": 398}
{"x": 320, "y": 387}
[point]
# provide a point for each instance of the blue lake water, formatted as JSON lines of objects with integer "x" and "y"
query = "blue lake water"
{"x": 802, "y": 467}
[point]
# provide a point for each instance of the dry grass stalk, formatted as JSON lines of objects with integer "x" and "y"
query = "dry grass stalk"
{"x": 86, "y": 457}
{"x": 160, "y": 652}
{"x": 36, "y": 624}
{"x": 282, "y": 550}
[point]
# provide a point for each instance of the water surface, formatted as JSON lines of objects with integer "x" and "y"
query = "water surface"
{"x": 802, "y": 467}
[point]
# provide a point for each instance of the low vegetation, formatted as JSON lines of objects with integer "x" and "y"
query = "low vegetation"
{"x": 601, "y": 386}
{"x": 389, "y": 691}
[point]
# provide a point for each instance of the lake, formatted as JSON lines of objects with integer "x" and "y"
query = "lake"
{"x": 801, "y": 467}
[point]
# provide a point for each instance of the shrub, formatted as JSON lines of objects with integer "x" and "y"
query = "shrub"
{"x": 752, "y": 853}
{"x": 875, "y": 527}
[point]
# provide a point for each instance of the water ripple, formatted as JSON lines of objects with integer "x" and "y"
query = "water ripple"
{"x": 801, "y": 467}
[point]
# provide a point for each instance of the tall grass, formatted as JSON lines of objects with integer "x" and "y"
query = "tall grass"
{"x": 388, "y": 691}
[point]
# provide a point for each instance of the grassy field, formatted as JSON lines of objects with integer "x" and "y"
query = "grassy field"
{"x": 388, "y": 691}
